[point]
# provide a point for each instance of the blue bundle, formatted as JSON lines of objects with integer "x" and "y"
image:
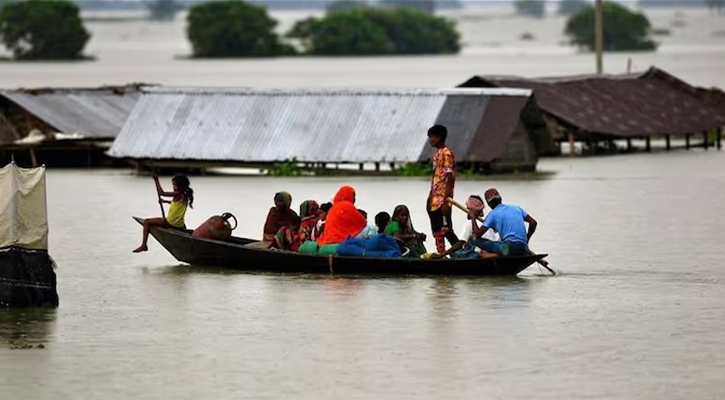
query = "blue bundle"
{"x": 379, "y": 246}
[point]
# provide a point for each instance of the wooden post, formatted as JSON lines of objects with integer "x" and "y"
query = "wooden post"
{"x": 33, "y": 159}
{"x": 687, "y": 142}
{"x": 629, "y": 145}
{"x": 571, "y": 144}
{"x": 705, "y": 142}
{"x": 599, "y": 35}
{"x": 667, "y": 142}
{"x": 718, "y": 142}
{"x": 648, "y": 144}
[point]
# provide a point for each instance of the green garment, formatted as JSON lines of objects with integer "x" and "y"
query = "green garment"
{"x": 416, "y": 248}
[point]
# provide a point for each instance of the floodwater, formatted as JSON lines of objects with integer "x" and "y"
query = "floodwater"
{"x": 138, "y": 51}
{"x": 636, "y": 311}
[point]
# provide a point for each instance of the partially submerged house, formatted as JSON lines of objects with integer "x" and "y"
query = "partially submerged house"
{"x": 604, "y": 108}
{"x": 493, "y": 129}
{"x": 62, "y": 127}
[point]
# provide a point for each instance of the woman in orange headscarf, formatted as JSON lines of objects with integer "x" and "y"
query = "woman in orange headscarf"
{"x": 344, "y": 221}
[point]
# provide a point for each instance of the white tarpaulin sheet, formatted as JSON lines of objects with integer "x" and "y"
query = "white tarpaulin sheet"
{"x": 23, "y": 212}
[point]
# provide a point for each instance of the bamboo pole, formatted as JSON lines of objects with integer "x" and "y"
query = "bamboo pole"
{"x": 599, "y": 36}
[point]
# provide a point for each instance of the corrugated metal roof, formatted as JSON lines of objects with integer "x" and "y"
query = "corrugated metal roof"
{"x": 628, "y": 105}
{"x": 95, "y": 113}
{"x": 311, "y": 125}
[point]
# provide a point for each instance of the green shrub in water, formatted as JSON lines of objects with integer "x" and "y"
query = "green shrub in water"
{"x": 624, "y": 30}
{"x": 43, "y": 30}
{"x": 233, "y": 28}
{"x": 378, "y": 32}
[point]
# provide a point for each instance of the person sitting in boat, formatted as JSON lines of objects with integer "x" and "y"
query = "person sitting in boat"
{"x": 510, "y": 223}
{"x": 401, "y": 228}
{"x": 181, "y": 197}
{"x": 324, "y": 209}
{"x": 290, "y": 238}
{"x": 467, "y": 248}
{"x": 382, "y": 219}
{"x": 370, "y": 229}
{"x": 344, "y": 220}
{"x": 281, "y": 215}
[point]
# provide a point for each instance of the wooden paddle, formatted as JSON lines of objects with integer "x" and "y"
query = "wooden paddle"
{"x": 463, "y": 208}
{"x": 158, "y": 194}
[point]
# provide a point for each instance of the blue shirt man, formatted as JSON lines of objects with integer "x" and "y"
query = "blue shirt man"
{"x": 510, "y": 223}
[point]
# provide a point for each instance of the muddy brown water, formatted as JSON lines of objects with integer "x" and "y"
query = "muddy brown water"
{"x": 636, "y": 312}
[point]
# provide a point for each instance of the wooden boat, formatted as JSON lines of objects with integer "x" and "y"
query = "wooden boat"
{"x": 233, "y": 253}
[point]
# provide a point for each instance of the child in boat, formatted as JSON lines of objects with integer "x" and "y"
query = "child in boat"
{"x": 401, "y": 227}
{"x": 181, "y": 197}
{"x": 324, "y": 209}
{"x": 290, "y": 238}
{"x": 370, "y": 229}
{"x": 381, "y": 221}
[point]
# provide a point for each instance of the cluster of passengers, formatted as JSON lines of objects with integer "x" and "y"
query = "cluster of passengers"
{"x": 324, "y": 228}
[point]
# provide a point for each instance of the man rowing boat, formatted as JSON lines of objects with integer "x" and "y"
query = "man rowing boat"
{"x": 509, "y": 221}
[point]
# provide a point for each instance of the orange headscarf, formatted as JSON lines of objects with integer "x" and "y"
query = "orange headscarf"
{"x": 343, "y": 220}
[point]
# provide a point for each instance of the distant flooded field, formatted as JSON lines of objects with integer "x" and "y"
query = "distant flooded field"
{"x": 141, "y": 51}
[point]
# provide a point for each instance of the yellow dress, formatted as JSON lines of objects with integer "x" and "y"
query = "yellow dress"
{"x": 177, "y": 211}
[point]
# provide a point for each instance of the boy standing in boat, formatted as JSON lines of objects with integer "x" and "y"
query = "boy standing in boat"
{"x": 442, "y": 183}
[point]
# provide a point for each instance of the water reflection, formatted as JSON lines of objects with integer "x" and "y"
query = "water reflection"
{"x": 30, "y": 326}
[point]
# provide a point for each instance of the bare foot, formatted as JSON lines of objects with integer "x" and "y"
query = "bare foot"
{"x": 485, "y": 254}
{"x": 141, "y": 249}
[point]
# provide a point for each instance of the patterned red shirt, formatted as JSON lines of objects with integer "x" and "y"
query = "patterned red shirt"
{"x": 444, "y": 164}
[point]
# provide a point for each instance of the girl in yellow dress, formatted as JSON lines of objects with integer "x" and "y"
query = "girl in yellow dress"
{"x": 181, "y": 197}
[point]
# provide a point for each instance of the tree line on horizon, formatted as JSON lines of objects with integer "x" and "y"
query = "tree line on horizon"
{"x": 53, "y": 29}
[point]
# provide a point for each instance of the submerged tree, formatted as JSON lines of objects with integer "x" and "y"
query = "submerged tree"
{"x": 375, "y": 31}
{"x": 532, "y": 8}
{"x": 233, "y": 29}
{"x": 43, "y": 30}
{"x": 624, "y": 30}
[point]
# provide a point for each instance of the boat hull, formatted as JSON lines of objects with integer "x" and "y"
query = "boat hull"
{"x": 233, "y": 253}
